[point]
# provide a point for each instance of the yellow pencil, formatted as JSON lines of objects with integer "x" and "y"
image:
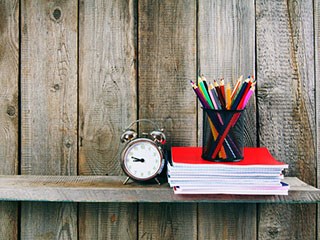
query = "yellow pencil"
{"x": 215, "y": 134}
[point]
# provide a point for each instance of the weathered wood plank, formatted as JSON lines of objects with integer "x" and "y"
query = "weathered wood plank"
{"x": 226, "y": 36}
{"x": 285, "y": 70}
{"x": 44, "y": 220}
{"x": 108, "y": 103}
{"x": 9, "y": 94}
{"x": 49, "y": 87}
{"x": 232, "y": 222}
{"x": 108, "y": 221}
{"x": 316, "y": 12}
{"x": 9, "y": 65}
{"x": 9, "y": 220}
{"x": 176, "y": 216}
{"x": 107, "y": 83}
{"x": 111, "y": 189}
{"x": 49, "y": 110}
{"x": 167, "y": 60}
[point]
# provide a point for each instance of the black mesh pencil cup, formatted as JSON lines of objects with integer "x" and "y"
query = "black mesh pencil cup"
{"x": 223, "y": 135}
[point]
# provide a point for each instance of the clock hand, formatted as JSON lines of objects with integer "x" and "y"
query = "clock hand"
{"x": 138, "y": 159}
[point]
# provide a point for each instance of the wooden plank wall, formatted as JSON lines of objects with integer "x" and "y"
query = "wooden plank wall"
{"x": 74, "y": 74}
{"x": 9, "y": 109}
{"x": 48, "y": 83}
{"x": 317, "y": 89}
{"x": 286, "y": 101}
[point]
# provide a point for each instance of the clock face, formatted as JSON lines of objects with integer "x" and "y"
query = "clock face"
{"x": 142, "y": 159}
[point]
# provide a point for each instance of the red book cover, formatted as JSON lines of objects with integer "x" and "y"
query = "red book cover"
{"x": 252, "y": 157}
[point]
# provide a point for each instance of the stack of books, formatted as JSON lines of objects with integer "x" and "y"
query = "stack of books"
{"x": 257, "y": 174}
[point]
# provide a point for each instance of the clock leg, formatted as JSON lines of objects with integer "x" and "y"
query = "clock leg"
{"x": 156, "y": 179}
{"x": 125, "y": 181}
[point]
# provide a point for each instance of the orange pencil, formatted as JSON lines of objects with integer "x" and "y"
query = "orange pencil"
{"x": 228, "y": 96}
{"x": 235, "y": 90}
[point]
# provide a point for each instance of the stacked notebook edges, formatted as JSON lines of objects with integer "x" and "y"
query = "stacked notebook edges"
{"x": 257, "y": 174}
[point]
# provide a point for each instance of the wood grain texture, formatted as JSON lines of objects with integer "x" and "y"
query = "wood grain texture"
{"x": 232, "y": 222}
{"x": 286, "y": 84}
{"x": 9, "y": 109}
{"x": 108, "y": 96}
{"x": 44, "y": 221}
{"x": 167, "y": 61}
{"x": 111, "y": 189}
{"x": 171, "y": 221}
{"x": 287, "y": 221}
{"x": 285, "y": 70}
{"x": 9, "y": 65}
{"x": 49, "y": 87}
{"x": 316, "y": 13}
{"x": 49, "y": 110}
{"x": 107, "y": 104}
{"x": 9, "y": 225}
{"x": 226, "y": 49}
{"x": 108, "y": 221}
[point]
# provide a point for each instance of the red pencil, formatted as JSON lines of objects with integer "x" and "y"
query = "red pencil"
{"x": 222, "y": 89}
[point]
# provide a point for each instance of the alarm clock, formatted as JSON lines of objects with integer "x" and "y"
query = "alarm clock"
{"x": 142, "y": 158}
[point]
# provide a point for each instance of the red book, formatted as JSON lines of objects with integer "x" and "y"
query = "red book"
{"x": 256, "y": 157}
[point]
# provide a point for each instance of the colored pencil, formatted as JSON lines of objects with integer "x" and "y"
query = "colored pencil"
{"x": 199, "y": 95}
{"x": 228, "y": 96}
{"x": 235, "y": 90}
{"x": 204, "y": 91}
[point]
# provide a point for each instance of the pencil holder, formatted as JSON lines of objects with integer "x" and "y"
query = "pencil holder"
{"x": 223, "y": 135}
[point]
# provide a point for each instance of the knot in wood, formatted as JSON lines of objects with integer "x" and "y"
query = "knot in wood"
{"x": 68, "y": 144}
{"x": 56, "y": 87}
{"x": 56, "y": 14}
{"x": 273, "y": 231}
{"x": 113, "y": 218}
{"x": 11, "y": 111}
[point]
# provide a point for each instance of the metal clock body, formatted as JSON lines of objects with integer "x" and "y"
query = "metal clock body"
{"x": 142, "y": 159}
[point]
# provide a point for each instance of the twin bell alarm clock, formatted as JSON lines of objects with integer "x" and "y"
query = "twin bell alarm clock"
{"x": 142, "y": 157}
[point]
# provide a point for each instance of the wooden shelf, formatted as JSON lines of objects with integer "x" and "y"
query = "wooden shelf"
{"x": 111, "y": 189}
